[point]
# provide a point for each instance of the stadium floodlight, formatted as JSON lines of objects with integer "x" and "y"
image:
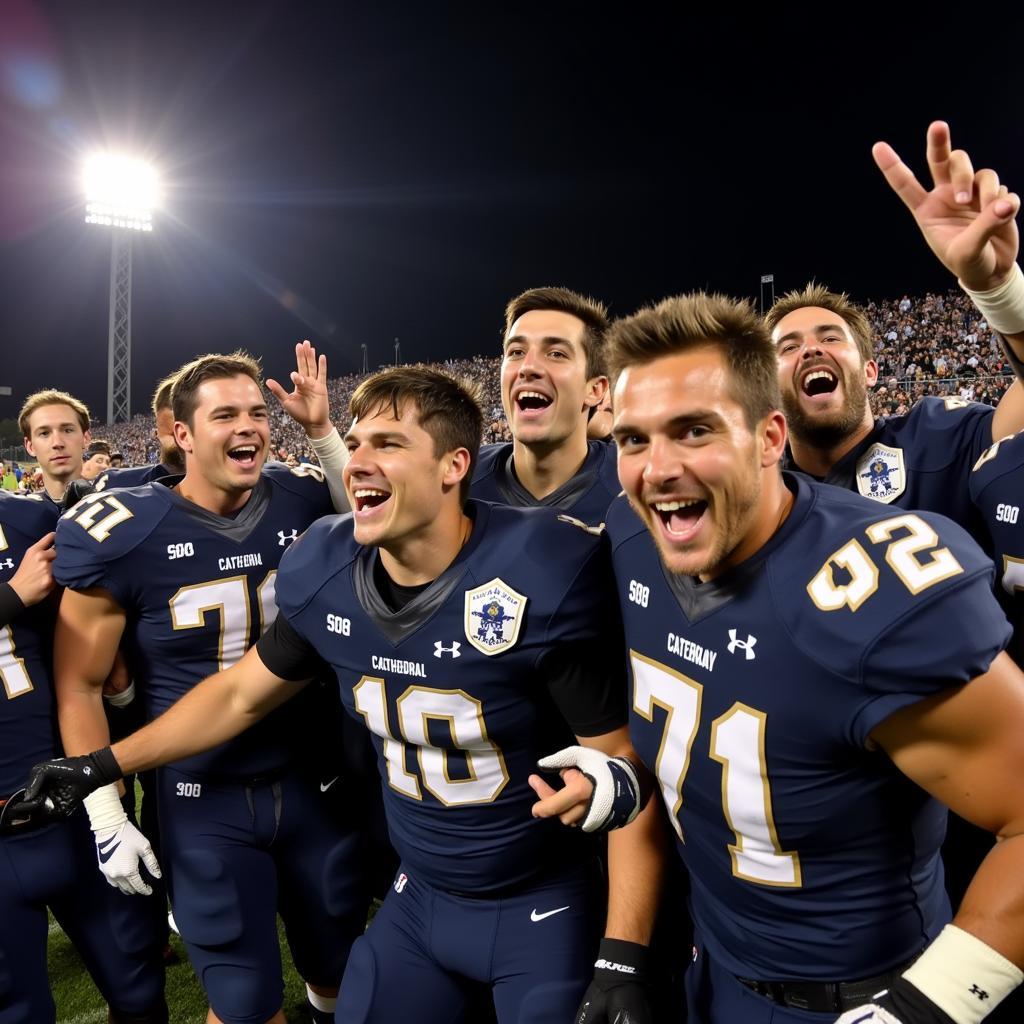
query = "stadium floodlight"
{"x": 121, "y": 193}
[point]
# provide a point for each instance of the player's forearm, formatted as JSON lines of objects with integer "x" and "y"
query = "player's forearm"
{"x": 993, "y": 907}
{"x": 208, "y": 715}
{"x": 636, "y": 865}
{"x": 80, "y": 714}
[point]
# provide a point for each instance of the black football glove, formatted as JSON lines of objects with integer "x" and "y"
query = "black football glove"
{"x": 618, "y": 993}
{"x": 66, "y": 781}
{"x": 75, "y": 492}
{"x": 17, "y": 816}
{"x": 901, "y": 1003}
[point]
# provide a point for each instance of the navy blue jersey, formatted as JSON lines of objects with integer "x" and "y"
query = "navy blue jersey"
{"x": 586, "y": 495}
{"x": 456, "y": 686}
{"x": 754, "y": 695}
{"x": 996, "y": 491}
{"x": 920, "y": 461}
{"x": 27, "y": 729}
{"x": 198, "y": 589}
{"x": 132, "y": 476}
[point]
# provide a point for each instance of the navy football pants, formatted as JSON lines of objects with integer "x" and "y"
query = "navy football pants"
{"x": 116, "y": 935}
{"x": 535, "y": 949}
{"x": 235, "y": 856}
{"x": 714, "y": 996}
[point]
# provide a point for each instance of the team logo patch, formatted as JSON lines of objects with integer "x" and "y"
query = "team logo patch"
{"x": 881, "y": 474}
{"x": 494, "y": 614}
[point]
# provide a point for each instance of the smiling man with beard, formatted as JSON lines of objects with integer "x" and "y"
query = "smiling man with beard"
{"x": 826, "y": 351}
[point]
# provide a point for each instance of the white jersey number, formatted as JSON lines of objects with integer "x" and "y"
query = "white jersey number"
{"x": 12, "y": 668}
{"x": 229, "y": 598}
{"x": 738, "y": 744}
{"x": 417, "y": 707}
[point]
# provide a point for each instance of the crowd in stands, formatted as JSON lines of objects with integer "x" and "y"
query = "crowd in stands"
{"x": 935, "y": 345}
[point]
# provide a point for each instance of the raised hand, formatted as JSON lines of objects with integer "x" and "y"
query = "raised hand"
{"x": 967, "y": 218}
{"x": 308, "y": 403}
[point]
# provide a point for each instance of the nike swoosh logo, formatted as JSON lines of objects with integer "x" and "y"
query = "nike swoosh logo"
{"x": 105, "y": 855}
{"x": 534, "y": 916}
{"x": 324, "y": 786}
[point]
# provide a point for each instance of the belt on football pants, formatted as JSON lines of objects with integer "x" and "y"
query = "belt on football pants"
{"x": 824, "y": 996}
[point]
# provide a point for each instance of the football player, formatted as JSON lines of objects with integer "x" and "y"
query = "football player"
{"x": 172, "y": 458}
{"x": 53, "y": 866}
{"x": 469, "y": 638}
{"x": 812, "y": 677}
{"x": 98, "y": 461}
{"x": 181, "y": 571}
{"x": 826, "y": 351}
{"x": 921, "y": 460}
{"x": 55, "y": 431}
{"x": 552, "y": 381}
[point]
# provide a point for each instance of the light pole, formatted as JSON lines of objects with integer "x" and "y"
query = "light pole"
{"x": 120, "y": 194}
{"x": 363, "y": 347}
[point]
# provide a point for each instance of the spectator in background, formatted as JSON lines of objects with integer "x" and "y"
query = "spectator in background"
{"x": 97, "y": 459}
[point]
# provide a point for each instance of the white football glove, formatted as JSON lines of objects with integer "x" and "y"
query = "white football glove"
{"x": 870, "y": 1013}
{"x": 119, "y": 844}
{"x": 616, "y": 798}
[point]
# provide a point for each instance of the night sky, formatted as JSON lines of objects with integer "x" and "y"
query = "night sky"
{"x": 353, "y": 173}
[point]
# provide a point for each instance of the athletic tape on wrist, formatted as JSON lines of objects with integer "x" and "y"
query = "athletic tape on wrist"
{"x": 104, "y": 809}
{"x": 963, "y": 976}
{"x": 1002, "y": 306}
{"x": 122, "y": 699}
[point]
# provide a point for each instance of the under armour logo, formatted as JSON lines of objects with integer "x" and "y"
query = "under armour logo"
{"x": 9, "y": 562}
{"x": 283, "y": 538}
{"x": 979, "y": 992}
{"x": 439, "y": 649}
{"x": 747, "y": 646}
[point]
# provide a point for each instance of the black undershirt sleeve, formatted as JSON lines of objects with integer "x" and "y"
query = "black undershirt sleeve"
{"x": 587, "y": 682}
{"x": 289, "y": 655}
{"x": 10, "y": 604}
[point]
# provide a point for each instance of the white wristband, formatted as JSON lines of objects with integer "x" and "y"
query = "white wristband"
{"x": 963, "y": 976}
{"x": 1002, "y": 306}
{"x": 333, "y": 457}
{"x": 122, "y": 699}
{"x": 104, "y": 809}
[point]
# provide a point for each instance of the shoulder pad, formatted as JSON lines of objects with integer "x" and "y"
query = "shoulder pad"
{"x": 857, "y": 572}
{"x": 305, "y": 480}
{"x": 29, "y": 514}
{"x": 105, "y": 526}
{"x": 622, "y": 523}
{"x": 325, "y": 548}
{"x": 1005, "y": 457}
{"x": 130, "y": 476}
{"x": 933, "y": 413}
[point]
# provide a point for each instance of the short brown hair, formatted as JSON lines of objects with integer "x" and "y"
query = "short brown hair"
{"x": 448, "y": 408}
{"x": 52, "y": 397}
{"x": 213, "y": 366}
{"x": 813, "y": 294}
{"x": 594, "y": 315}
{"x": 698, "y": 320}
{"x": 99, "y": 447}
{"x": 162, "y": 394}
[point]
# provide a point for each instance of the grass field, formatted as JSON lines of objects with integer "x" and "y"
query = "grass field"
{"x": 78, "y": 1002}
